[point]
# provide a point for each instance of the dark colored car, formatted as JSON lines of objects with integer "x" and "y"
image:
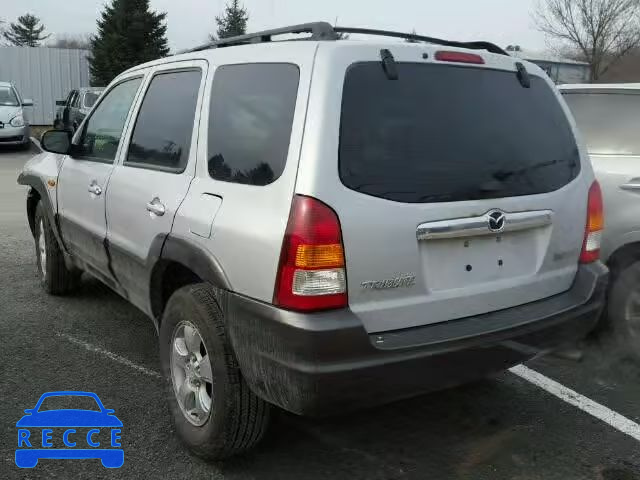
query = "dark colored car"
{"x": 71, "y": 111}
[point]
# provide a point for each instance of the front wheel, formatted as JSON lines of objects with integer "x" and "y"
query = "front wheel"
{"x": 215, "y": 413}
{"x": 55, "y": 277}
{"x": 623, "y": 308}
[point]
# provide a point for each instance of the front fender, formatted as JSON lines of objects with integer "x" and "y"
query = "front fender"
{"x": 41, "y": 175}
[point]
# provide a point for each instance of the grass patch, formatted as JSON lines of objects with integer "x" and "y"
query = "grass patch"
{"x": 38, "y": 130}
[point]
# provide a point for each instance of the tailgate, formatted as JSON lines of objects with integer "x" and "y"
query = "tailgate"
{"x": 459, "y": 188}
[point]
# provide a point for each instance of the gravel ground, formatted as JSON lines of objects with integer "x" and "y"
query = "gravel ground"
{"x": 502, "y": 428}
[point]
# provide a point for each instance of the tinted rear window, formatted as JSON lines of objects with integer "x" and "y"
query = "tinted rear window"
{"x": 445, "y": 134}
{"x": 609, "y": 122}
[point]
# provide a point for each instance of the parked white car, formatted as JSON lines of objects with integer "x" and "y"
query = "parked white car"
{"x": 14, "y": 127}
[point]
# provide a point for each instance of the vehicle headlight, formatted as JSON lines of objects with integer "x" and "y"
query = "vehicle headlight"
{"x": 17, "y": 121}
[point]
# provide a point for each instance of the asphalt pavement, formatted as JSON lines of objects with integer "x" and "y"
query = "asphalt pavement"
{"x": 499, "y": 428}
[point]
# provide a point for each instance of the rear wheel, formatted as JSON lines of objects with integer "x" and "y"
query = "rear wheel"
{"x": 215, "y": 413}
{"x": 623, "y": 308}
{"x": 55, "y": 277}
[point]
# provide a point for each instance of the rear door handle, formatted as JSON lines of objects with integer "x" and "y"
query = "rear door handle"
{"x": 155, "y": 207}
{"x": 633, "y": 184}
{"x": 95, "y": 189}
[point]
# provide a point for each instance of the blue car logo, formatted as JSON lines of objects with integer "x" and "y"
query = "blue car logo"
{"x": 69, "y": 433}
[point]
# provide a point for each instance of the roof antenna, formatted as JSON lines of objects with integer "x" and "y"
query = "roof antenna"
{"x": 389, "y": 64}
{"x": 523, "y": 75}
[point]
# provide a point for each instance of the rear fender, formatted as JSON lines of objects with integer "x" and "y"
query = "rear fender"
{"x": 173, "y": 248}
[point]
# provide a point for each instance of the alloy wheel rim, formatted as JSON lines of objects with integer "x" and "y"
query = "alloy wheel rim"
{"x": 191, "y": 374}
{"x": 42, "y": 248}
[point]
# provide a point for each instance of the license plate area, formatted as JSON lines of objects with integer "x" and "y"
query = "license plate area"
{"x": 460, "y": 262}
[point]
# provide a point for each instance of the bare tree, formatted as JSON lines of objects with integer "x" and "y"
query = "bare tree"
{"x": 71, "y": 42}
{"x": 602, "y": 31}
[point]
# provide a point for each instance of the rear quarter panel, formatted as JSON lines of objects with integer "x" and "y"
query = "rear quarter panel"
{"x": 621, "y": 207}
{"x": 248, "y": 222}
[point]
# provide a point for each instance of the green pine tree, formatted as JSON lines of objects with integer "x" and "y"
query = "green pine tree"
{"x": 233, "y": 22}
{"x": 128, "y": 34}
{"x": 26, "y": 33}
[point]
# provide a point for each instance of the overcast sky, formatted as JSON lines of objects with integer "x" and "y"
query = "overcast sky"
{"x": 189, "y": 21}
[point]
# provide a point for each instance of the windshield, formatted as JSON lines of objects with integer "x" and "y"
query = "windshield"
{"x": 8, "y": 97}
{"x": 609, "y": 122}
{"x": 90, "y": 99}
{"x": 443, "y": 134}
{"x": 69, "y": 402}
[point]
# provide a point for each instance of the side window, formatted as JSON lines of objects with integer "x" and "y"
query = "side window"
{"x": 250, "y": 121}
{"x": 162, "y": 134}
{"x": 101, "y": 133}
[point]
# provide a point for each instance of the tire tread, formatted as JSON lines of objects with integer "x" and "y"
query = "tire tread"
{"x": 248, "y": 415}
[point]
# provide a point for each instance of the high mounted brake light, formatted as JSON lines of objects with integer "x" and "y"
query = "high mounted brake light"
{"x": 311, "y": 274}
{"x": 594, "y": 226}
{"x": 459, "y": 57}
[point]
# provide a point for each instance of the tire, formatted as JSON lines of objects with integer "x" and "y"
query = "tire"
{"x": 237, "y": 419}
{"x": 623, "y": 308}
{"x": 55, "y": 277}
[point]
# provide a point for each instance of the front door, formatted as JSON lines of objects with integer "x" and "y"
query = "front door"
{"x": 84, "y": 177}
{"x": 147, "y": 188}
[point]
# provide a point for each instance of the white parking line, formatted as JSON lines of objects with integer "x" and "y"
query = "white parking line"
{"x": 111, "y": 355}
{"x": 617, "y": 421}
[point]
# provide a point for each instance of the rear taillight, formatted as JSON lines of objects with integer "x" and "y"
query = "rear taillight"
{"x": 595, "y": 225}
{"x": 459, "y": 57}
{"x": 311, "y": 274}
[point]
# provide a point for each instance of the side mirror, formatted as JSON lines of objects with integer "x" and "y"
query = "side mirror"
{"x": 56, "y": 141}
{"x": 29, "y": 410}
{"x": 61, "y": 103}
{"x": 109, "y": 411}
{"x": 27, "y": 102}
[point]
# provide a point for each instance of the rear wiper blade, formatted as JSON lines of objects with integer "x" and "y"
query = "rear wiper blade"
{"x": 502, "y": 175}
{"x": 389, "y": 64}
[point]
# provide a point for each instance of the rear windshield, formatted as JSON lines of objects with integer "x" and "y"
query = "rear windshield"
{"x": 609, "y": 122}
{"x": 447, "y": 133}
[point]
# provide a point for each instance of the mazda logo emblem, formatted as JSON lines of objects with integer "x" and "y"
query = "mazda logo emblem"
{"x": 496, "y": 220}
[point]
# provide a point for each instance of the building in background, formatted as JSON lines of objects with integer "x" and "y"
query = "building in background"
{"x": 45, "y": 75}
{"x": 560, "y": 70}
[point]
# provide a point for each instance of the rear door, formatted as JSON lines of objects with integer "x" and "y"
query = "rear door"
{"x": 146, "y": 190}
{"x": 609, "y": 121}
{"x": 457, "y": 187}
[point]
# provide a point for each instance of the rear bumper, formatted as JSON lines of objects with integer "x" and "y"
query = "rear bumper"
{"x": 318, "y": 364}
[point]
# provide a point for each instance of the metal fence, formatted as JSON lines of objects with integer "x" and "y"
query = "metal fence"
{"x": 45, "y": 75}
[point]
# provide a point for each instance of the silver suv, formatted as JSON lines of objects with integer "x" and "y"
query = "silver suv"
{"x": 609, "y": 120}
{"x": 323, "y": 225}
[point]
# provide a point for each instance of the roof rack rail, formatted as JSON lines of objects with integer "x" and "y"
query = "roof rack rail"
{"x": 318, "y": 31}
{"x": 325, "y": 31}
{"x": 488, "y": 46}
